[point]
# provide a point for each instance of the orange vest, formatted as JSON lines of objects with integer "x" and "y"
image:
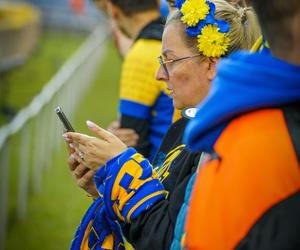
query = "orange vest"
{"x": 258, "y": 168}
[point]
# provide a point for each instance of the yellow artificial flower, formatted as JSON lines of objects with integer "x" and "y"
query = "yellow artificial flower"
{"x": 193, "y": 11}
{"x": 212, "y": 43}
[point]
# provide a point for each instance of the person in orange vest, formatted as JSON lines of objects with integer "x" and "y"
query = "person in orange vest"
{"x": 247, "y": 192}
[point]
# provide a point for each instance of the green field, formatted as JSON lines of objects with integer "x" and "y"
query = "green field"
{"x": 54, "y": 213}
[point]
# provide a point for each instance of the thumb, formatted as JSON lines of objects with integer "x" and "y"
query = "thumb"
{"x": 100, "y": 132}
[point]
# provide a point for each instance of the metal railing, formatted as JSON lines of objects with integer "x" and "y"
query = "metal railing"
{"x": 36, "y": 126}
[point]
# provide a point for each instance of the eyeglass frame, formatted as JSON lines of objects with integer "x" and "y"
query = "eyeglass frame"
{"x": 163, "y": 63}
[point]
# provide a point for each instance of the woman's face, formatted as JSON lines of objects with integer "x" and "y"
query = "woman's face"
{"x": 187, "y": 80}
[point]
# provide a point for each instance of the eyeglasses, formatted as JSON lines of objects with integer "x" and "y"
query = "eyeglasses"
{"x": 164, "y": 62}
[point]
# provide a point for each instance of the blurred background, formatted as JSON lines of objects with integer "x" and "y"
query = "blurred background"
{"x": 52, "y": 52}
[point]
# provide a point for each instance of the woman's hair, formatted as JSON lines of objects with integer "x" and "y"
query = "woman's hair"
{"x": 244, "y": 28}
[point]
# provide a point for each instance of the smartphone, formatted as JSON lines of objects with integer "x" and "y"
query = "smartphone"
{"x": 64, "y": 119}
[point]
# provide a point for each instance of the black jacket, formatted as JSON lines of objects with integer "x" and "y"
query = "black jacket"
{"x": 175, "y": 165}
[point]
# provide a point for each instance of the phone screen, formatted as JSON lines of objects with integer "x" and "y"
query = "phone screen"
{"x": 64, "y": 119}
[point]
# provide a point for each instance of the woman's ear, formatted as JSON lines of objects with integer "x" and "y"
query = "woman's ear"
{"x": 212, "y": 68}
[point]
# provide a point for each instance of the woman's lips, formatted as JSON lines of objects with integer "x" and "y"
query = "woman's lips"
{"x": 170, "y": 91}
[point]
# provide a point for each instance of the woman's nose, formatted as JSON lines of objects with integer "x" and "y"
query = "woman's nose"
{"x": 161, "y": 75}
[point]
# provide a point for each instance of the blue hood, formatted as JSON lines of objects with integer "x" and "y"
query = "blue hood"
{"x": 244, "y": 82}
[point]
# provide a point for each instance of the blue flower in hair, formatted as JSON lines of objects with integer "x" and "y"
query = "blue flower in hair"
{"x": 179, "y": 3}
{"x": 195, "y": 31}
{"x": 223, "y": 26}
{"x": 212, "y": 10}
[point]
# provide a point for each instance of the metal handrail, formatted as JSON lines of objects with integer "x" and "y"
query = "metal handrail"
{"x": 53, "y": 86}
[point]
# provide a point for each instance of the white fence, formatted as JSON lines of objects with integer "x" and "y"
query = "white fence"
{"x": 38, "y": 127}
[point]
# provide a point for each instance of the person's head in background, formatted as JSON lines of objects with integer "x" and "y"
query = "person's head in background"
{"x": 127, "y": 18}
{"x": 131, "y": 15}
{"x": 101, "y": 5}
{"x": 189, "y": 78}
{"x": 280, "y": 23}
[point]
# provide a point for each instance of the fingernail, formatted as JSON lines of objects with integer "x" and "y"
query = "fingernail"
{"x": 72, "y": 145}
{"x": 90, "y": 124}
{"x": 66, "y": 138}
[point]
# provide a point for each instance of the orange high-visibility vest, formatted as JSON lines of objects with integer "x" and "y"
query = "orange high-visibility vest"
{"x": 258, "y": 168}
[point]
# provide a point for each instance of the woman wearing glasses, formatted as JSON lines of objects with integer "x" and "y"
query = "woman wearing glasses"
{"x": 146, "y": 198}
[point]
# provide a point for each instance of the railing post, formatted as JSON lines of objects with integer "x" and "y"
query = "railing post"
{"x": 37, "y": 159}
{"x": 23, "y": 173}
{"x": 50, "y": 134}
{"x": 4, "y": 189}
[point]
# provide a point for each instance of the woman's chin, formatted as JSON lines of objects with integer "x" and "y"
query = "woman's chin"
{"x": 178, "y": 105}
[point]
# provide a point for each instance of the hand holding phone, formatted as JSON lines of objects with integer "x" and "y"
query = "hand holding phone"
{"x": 64, "y": 119}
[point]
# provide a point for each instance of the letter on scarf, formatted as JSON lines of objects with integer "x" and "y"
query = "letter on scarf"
{"x": 129, "y": 186}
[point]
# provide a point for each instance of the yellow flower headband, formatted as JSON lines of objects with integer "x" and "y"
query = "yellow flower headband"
{"x": 212, "y": 34}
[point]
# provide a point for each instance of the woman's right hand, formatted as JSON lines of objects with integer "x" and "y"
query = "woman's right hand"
{"x": 94, "y": 152}
{"x": 83, "y": 176}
